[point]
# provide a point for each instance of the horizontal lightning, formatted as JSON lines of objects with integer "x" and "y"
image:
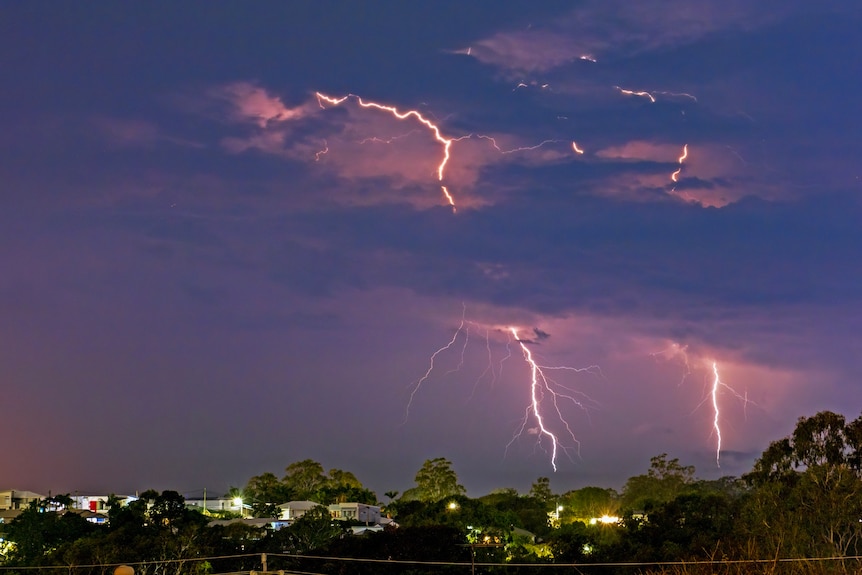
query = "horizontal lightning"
{"x": 641, "y": 93}
{"x": 393, "y": 111}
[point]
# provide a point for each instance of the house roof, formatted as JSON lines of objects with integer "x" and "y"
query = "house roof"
{"x": 21, "y": 494}
{"x": 300, "y": 505}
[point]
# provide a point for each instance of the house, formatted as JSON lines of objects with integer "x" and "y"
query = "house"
{"x": 98, "y": 503}
{"x": 215, "y": 504}
{"x": 361, "y": 512}
{"x": 293, "y": 510}
{"x": 14, "y": 499}
{"x": 91, "y": 516}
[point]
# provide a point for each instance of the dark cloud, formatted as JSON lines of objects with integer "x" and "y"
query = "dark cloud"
{"x": 187, "y": 224}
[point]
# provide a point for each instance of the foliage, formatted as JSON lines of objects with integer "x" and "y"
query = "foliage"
{"x": 313, "y": 531}
{"x": 587, "y": 503}
{"x": 807, "y": 490}
{"x": 266, "y": 488}
{"x": 304, "y": 480}
{"x": 803, "y": 498}
{"x": 665, "y": 480}
{"x": 541, "y": 492}
{"x": 41, "y": 529}
{"x": 437, "y": 480}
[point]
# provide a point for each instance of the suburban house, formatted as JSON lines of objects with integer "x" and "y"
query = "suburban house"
{"x": 14, "y": 499}
{"x": 368, "y": 514}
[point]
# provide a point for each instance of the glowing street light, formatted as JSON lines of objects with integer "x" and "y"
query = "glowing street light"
{"x": 238, "y": 502}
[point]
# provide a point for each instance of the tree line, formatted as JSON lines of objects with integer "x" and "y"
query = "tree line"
{"x": 801, "y": 500}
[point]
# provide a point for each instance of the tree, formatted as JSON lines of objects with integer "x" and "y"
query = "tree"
{"x": 436, "y": 480}
{"x": 39, "y": 530}
{"x": 304, "y": 478}
{"x": 665, "y": 480}
{"x": 541, "y": 491}
{"x": 823, "y": 439}
{"x": 342, "y": 486}
{"x": 266, "y": 488}
{"x": 314, "y": 530}
{"x": 588, "y": 502}
{"x": 807, "y": 490}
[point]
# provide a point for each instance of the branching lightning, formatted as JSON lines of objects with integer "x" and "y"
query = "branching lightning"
{"x": 445, "y": 142}
{"x": 716, "y": 386}
{"x": 713, "y": 386}
{"x": 674, "y": 351}
{"x": 438, "y": 136}
{"x": 545, "y": 394}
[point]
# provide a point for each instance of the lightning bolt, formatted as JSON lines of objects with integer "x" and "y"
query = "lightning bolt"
{"x": 649, "y": 95}
{"x": 545, "y": 394}
{"x": 513, "y": 150}
{"x": 673, "y": 351}
{"x": 715, "y": 386}
{"x": 445, "y": 142}
{"x": 376, "y": 140}
{"x": 677, "y": 95}
{"x": 641, "y": 93}
{"x": 674, "y": 177}
{"x": 716, "y": 413}
{"x": 538, "y": 379}
{"x": 422, "y": 379}
{"x": 321, "y": 152}
{"x": 393, "y": 111}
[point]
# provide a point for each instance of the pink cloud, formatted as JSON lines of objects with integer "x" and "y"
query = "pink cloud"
{"x": 599, "y": 28}
{"x": 251, "y": 103}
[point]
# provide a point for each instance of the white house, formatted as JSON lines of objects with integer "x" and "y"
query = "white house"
{"x": 368, "y": 514}
{"x": 293, "y": 510}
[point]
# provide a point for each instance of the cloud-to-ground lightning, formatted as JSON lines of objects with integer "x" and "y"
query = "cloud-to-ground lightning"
{"x": 716, "y": 413}
{"x": 537, "y": 379}
{"x": 715, "y": 385}
{"x": 438, "y": 136}
{"x": 545, "y": 394}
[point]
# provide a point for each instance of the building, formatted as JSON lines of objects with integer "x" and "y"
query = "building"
{"x": 368, "y": 514}
{"x": 293, "y": 510}
{"x": 14, "y": 499}
{"x": 217, "y": 504}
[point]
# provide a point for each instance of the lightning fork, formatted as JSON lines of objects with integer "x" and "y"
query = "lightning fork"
{"x": 392, "y": 110}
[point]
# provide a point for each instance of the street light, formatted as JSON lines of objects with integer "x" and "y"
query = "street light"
{"x": 238, "y": 502}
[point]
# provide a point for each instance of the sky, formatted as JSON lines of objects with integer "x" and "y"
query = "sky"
{"x": 240, "y": 235}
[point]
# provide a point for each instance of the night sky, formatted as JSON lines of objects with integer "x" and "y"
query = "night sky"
{"x": 209, "y": 272}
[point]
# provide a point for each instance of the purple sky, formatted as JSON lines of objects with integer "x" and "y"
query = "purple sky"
{"x": 209, "y": 273}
